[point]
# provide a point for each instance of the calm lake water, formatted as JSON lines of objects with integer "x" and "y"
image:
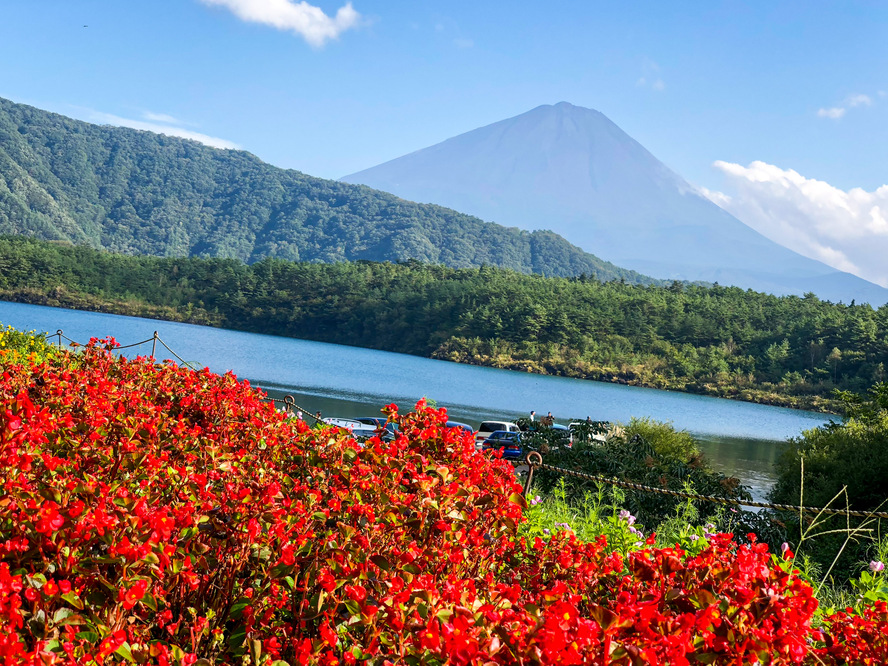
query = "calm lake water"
{"x": 741, "y": 439}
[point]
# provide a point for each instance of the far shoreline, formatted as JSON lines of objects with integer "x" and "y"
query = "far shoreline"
{"x": 62, "y": 298}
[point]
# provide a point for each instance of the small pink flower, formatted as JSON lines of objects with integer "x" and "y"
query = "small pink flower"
{"x": 876, "y": 566}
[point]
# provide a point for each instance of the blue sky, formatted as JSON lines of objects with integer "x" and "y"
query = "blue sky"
{"x": 329, "y": 89}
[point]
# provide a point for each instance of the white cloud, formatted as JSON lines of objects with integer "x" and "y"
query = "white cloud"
{"x": 307, "y": 21}
{"x": 649, "y": 77}
{"x": 835, "y": 112}
{"x": 850, "y": 102}
{"x": 157, "y": 127}
{"x": 719, "y": 198}
{"x": 844, "y": 229}
{"x": 656, "y": 84}
{"x": 859, "y": 100}
{"x": 161, "y": 118}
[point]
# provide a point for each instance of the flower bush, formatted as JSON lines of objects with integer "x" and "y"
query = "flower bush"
{"x": 18, "y": 346}
{"x": 151, "y": 514}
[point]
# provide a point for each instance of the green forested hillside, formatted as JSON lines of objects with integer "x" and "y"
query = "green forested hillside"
{"x": 719, "y": 340}
{"x": 142, "y": 193}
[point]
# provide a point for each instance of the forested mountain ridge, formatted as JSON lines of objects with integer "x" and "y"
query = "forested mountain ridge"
{"x": 722, "y": 341}
{"x": 136, "y": 192}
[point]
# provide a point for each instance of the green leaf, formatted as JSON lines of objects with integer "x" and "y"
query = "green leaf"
{"x": 61, "y": 614}
{"x": 237, "y": 609}
{"x": 125, "y": 652}
{"x": 518, "y": 498}
{"x": 381, "y": 562}
{"x": 73, "y": 599}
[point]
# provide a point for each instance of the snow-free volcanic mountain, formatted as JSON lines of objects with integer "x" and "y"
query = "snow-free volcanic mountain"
{"x": 572, "y": 170}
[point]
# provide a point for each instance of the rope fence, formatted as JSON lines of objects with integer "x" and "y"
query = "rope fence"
{"x": 288, "y": 401}
{"x": 534, "y": 461}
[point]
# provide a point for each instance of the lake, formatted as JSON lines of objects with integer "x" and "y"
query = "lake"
{"x": 742, "y": 439}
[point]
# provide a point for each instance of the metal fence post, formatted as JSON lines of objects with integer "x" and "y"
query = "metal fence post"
{"x": 154, "y": 346}
{"x": 533, "y": 459}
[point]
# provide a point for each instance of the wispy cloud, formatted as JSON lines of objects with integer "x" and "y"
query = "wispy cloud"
{"x": 852, "y": 101}
{"x": 463, "y": 43}
{"x": 859, "y": 100}
{"x": 834, "y": 112}
{"x": 151, "y": 125}
{"x": 844, "y": 229}
{"x": 301, "y": 18}
{"x": 161, "y": 118}
{"x": 650, "y": 77}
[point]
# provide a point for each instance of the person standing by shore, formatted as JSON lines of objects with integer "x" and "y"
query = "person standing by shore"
{"x": 532, "y": 415}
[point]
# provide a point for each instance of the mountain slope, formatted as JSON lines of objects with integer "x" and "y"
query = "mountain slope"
{"x": 574, "y": 171}
{"x": 142, "y": 193}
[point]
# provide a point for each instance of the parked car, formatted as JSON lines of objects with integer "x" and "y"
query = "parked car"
{"x": 358, "y": 430}
{"x": 487, "y": 428}
{"x": 391, "y": 430}
{"x": 565, "y": 433}
{"x": 508, "y": 442}
{"x": 581, "y": 426}
{"x": 465, "y": 426}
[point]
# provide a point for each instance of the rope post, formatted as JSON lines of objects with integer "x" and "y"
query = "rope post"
{"x": 533, "y": 459}
{"x": 154, "y": 345}
{"x": 290, "y": 402}
{"x": 59, "y": 333}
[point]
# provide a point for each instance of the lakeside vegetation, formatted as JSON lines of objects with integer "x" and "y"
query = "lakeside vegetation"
{"x": 719, "y": 341}
{"x": 160, "y": 515}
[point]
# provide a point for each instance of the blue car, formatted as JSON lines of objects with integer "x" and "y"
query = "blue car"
{"x": 507, "y": 442}
{"x": 465, "y": 426}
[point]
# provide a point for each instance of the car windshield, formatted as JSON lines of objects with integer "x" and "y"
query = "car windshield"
{"x": 490, "y": 426}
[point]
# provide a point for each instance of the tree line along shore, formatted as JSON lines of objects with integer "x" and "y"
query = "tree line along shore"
{"x": 713, "y": 340}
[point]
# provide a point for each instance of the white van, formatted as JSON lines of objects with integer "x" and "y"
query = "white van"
{"x": 357, "y": 429}
{"x": 489, "y": 427}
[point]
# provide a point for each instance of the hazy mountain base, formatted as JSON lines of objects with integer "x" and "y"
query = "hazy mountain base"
{"x": 717, "y": 341}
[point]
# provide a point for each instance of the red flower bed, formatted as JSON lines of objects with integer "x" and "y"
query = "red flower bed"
{"x": 152, "y": 514}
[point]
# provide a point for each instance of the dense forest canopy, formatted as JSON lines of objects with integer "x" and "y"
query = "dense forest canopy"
{"x": 716, "y": 340}
{"x": 137, "y": 192}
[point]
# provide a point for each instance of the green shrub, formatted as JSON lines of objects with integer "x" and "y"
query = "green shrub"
{"x": 843, "y": 465}
{"x": 665, "y": 439}
{"x": 670, "y": 460}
